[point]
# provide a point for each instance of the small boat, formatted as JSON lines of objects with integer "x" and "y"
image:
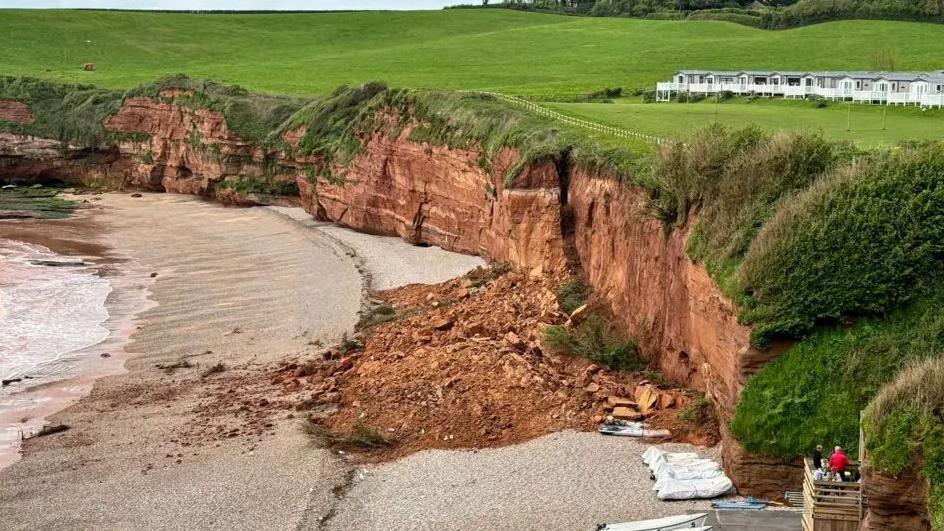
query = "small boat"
{"x": 634, "y": 429}
{"x": 688, "y": 522}
{"x": 748, "y": 504}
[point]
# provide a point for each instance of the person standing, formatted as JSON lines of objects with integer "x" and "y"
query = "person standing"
{"x": 838, "y": 463}
{"x": 818, "y": 457}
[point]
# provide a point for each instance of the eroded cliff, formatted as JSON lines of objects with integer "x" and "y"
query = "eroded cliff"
{"x": 437, "y": 195}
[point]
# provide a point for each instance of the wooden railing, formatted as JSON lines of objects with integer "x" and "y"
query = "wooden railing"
{"x": 832, "y": 505}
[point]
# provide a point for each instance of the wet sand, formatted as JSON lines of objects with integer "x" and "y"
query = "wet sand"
{"x": 81, "y": 235}
{"x": 235, "y": 286}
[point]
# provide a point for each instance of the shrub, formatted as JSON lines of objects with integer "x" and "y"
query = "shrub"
{"x": 858, "y": 242}
{"x": 248, "y": 184}
{"x": 815, "y": 390}
{"x": 907, "y": 419}
{"x": 377, "y": 315}
{"x": 597, "y": 340}
{"x": 349, "y": 345}
{"x": 572, "y": 295}
{"x": 696, "y": 412}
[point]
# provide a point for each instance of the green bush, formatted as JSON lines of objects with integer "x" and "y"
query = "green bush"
{"x": 572, "y": 295}
{"x": 858, "y": 242}
{"x": 248, "y": 184}
{"x": 597, "y": 340}
{"x": 68, "y": 113}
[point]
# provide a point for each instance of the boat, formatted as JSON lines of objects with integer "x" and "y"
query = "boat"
{"x": 689, "y": 522}
{"x": 748, "y": 504}
{"x": 623, "y": 430}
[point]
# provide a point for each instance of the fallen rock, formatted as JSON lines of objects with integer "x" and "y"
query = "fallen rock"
{"x": 625, "y": 413}
{"x": 617, "y": 401}
{"x": 592, "y": 387}
{"x": 514, "y": 341}
{"x": 442, "y": 324}
{"x": 580, "y": 314}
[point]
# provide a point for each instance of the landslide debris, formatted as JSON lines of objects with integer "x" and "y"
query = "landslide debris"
{"x": 452, "y": 365}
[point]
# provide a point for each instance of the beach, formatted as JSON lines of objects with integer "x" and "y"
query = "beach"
{"x": 205, "y": 300}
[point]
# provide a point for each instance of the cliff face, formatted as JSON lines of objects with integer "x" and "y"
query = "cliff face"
{"x": 16, "y": 112}
{"x": 440, "y": 196}
{"x": 898, "y": 503}
{"x": 674, "y": 309}
{"x": 187, "y": 151}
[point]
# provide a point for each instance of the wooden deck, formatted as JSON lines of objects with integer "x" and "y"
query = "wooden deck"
{"x": 831, "y": 505}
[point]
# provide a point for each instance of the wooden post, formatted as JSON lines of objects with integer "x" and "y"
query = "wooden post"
{"x": 861, "y": 460}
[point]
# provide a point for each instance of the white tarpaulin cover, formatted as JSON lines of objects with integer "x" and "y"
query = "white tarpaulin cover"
{"x": 685, "y": 476}
{"x": 688, "y": 489}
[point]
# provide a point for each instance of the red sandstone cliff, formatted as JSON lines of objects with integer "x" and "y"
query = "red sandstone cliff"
{"x": 436, "y": 195}
{"x": 439, "y": 196}
{"x": 14, "y": 111}
{"x": 898, "y": 503}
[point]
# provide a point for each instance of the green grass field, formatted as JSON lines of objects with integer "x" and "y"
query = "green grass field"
{"x": 864, "y": 124}
{"x": 515, "y": 52}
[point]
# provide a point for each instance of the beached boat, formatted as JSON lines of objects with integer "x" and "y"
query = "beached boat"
{"x": 688, "y": 522}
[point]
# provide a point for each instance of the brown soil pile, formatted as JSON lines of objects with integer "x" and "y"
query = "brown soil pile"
{"x": 454, "y": 365}
{"x": 461, "y": 365}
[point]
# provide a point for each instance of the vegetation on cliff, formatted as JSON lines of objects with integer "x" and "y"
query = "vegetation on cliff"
{"x": 904, "y": 425}
{"x": 835, "y": 248}
{"x": 68, "y": 113}
{"x": 813, "y": 393}
{"x": 250, "y": 115}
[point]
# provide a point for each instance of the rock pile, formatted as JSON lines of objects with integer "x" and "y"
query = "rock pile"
{"x": 453, "y": 365}
{"x": 462, "y": 365}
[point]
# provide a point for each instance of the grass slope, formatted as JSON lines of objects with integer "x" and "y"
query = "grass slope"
{"x": 521, "y": 53}
{"x": 676, "y": 120}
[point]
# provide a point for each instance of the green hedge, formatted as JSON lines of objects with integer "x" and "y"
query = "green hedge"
{"x": 856, "y": 243}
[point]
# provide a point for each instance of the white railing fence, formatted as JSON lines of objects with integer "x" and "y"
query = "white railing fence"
{"x": 597, "y": 127}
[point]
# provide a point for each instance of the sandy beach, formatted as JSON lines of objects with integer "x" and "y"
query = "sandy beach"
{"x": 226, "y": 293}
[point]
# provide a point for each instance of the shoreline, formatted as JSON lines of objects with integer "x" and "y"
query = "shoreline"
{"x": 237, "y": 288}
{"x": 128, "y": 296}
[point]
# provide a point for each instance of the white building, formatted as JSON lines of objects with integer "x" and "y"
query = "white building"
{"x": 885, "y": 88}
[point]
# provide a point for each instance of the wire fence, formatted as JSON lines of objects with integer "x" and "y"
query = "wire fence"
{"x": 618, "y": 132}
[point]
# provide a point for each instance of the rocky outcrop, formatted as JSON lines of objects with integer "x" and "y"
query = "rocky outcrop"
{"x": 187, "y": 151}
{"x": 760, "y": 475}
{"x": 29, "y": 159}
{"x": 15, "y": 111}
{"x": 439, "y": 196}
{"x": 898, "y": 503}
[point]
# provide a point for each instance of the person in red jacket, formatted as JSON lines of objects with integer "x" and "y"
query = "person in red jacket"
{"x": 838, "y": 463}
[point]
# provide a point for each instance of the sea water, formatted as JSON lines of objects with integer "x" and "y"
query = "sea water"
{"x": 47, "y": 313}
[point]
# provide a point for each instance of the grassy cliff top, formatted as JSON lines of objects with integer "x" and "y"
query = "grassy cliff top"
{"x": 516, "y": 52}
